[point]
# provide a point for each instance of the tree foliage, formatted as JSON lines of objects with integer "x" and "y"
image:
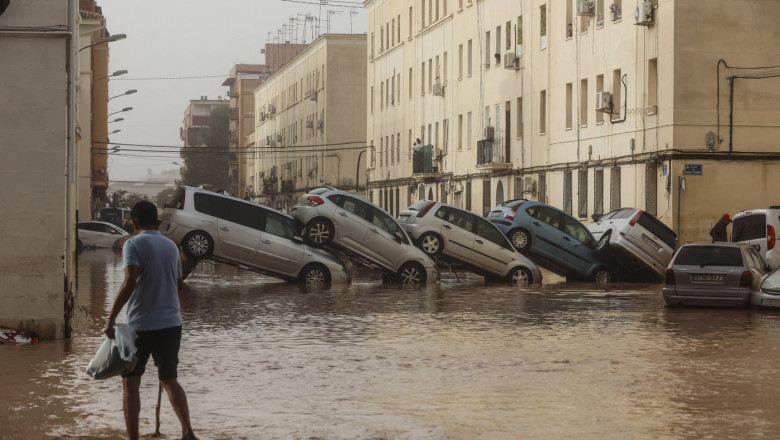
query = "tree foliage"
{"x": 163, "y": 196}
{"x": 207, "y": 164}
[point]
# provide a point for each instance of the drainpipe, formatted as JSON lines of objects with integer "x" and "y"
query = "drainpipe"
{"x": 357, "y": 171}
{"x": 70, "y": 170}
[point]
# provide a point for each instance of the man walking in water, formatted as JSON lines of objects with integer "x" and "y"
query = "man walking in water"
{"x": 150, "y": 289}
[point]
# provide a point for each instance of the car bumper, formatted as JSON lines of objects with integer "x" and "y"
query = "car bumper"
{"x": 762, "y": 299}
{"x": 677, "y": 297}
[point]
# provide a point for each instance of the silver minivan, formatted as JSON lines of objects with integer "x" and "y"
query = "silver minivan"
{"x": 224, "y": 228}
{"x": 638, "y": 235}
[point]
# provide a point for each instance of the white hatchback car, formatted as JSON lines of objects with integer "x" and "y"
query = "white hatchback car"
{"x": 370, "y": 235}
{"x": 456, "y": 234}
{"x": 239, "y": 232}
{"x": 638, "y": 235}
{"x": 95, "y": 233}
{"x": 758, "y": 228}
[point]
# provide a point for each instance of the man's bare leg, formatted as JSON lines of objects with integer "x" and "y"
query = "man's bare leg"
{"x": 178, "y": 400}
{"x": 131, "y": 404}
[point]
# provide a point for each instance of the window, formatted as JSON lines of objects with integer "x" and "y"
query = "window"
{"x": 422, "y": 13}
{"x": 488, "y": 231}
{"x": 469, "y": 138}
{"x": 381, "y": 39}
{"x": 410, "y": 22}
{"x": 280, "y": 226}
{"x": 486, "y": 197}
{"x": 598, "y": 192}
{"x": 614, "y": 189}
{"x": 398, "y": 34}
{"x": 508, "y": 33}
{"x": 468, "y": 66}
{"x": 391, "y": 147}
{"x": 398, "y": 89}
{"x": 567, "y": 186}
{"x": 599, "y": 13}
{"x": 444, "y": 70}
{"x": 381, "y": 95}
{"x": 599, "y": 88}
{"x": 568, "y": 105}
{"x": 372, "y": 100}
{"x": 209, "y": 204}
{"x": 519, "y": 30}
{"x": 651, "y": 188}
{"x": 616, "y": 9}
{"x": 519, "y": 122}
{"x": 468, "y": 187}
{"x": 543, "y": 112}
{"x": 410, "y": 145}
{"x": 652, "y": 86}
{"x": 460, "y": 132}
{"x": 430, "y": 75}
{"x": 542, "y": 188}
{"x": 381, "y": 148}
{"x": 583, "y": 102}
{"x": 543, "y": 26}
{"x": 398, "y": 146}
{"x": 460, "y": 61}
{"x": 244, "y": 214}
{"x": 392, "y": 34}
{"x": 497, "y": 54}
{"x": 487, "y": 50}
{"x": 569, "y": 19}
{"x": 546, "y": 214}
{"x": 422, "y": 78}
{"x": 575, "y": 229}
{"x": 617, "y": 89}
{"x": 749, "y": 227}
{"x": 582, "y": 193}
{"x": 410, "y": 83}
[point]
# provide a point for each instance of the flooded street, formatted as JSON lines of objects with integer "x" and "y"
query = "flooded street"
{"x": 262, "y": 359}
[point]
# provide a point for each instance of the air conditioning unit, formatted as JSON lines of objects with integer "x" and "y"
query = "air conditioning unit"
{"x": 438, "y": 90}
{"x": 458, "y": 188}
{"x": 586, "y": 7}
{"x": 490, "y": 133}
{"x": 309, "y": 124}
{"x": 644, "y": 14}
{"x": 511, "y": 61}
{"x": 529, "y": 185}
{"x": 271, "y": 108}
{"x": 604, "y": 102}
{"x": 319, "y": 125}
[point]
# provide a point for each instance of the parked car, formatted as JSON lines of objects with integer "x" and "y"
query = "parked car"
{"x": 637, "y": 235}
{"x": 768, "y": 294}
{"x": 456, "y": 234}
{"x": 333, "y": 217}
{"x": 713, "y": 274}
{"x": 96, "y": 233}
{"x": 553, "y": 239}
{"x": 231, "y": 230}
{"x": 757, "y": 227}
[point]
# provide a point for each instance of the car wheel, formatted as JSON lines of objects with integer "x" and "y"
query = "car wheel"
{"x": 431, "y": 244}
{"x": 319, "y": 232}
{"x": 520, "y": 239}
{"x": 315, "y": 275}
{"x": 603, "y": 276}
{"x": 411, "y": 273}
{"x": 603, "y": 243}
{"x": 198, "y": 244}
{"x": 520, "y": 276}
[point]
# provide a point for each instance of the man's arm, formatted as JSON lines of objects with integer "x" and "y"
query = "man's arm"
{"x": 128, "y": 286}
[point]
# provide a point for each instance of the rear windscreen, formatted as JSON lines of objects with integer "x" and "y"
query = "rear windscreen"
{"x": 749, "y": 227}
{"x": 419, "y": 205}
{"x": 658, "y": 229}
{"x": 709, "y": 256}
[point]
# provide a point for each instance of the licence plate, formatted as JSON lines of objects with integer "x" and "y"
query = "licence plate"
{"x": 403, "y": 218}
{"x": 708, "y": 277}
{"x": 770, "y": 302}
{"x": 652, "y": 243}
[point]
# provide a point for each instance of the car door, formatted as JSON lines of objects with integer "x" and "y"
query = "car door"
{"x": 544, "y": 228}
{"x": 576, "y": 246}
{"x": 751, "y": 229}
{"x": 350, "y": 220}
{"x": 88, "y": 233}
{"x": 491, "y": 251}
{"x": 277, "y": 252}
{"x": 382, "y": 240}
{"x": 107, "y": 235}
{"x": 239, "y": 228}
{"x": 456, "y": 232}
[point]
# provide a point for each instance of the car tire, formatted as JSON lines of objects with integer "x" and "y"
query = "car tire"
{"x": 603, "y": 275}
{"x": 319, "y": 232}
{"x": 315, "y": 275}
{"x": 520, "y": 239}
{"x": 198, "y": 244}
{"x": 411, "y": 273}
{"x": 431, "y": 243}
{"x": 520, "y": 276}
{"x": 602, "y": 246}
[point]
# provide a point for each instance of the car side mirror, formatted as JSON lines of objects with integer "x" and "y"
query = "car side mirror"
{"x": 595, "y": 217}
{"x": 298, "y": 239}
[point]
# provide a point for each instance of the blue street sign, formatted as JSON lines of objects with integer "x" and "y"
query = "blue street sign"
{"x": 694, "y": 169}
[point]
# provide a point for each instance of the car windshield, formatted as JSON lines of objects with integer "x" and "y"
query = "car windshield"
{"x": 709, "y": 256}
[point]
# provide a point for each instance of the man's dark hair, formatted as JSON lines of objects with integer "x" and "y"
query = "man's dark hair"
{"x": 145, "y": 213}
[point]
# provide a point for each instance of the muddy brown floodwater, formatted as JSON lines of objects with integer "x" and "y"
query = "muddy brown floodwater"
{"x": 263, "y": 359}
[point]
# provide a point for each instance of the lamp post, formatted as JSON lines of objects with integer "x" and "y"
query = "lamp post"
{"x": 117, "y": 73}
{"x": 129, "y": 92}
{"x": 126, "y": 109}
{"x": 109, "y": 39}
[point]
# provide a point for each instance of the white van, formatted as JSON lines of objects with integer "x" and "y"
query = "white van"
{"x": 224, "y": 228}
{"x": 758, "y": 227}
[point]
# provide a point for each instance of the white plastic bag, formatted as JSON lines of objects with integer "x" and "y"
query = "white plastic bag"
{"x": 116, "y": 356}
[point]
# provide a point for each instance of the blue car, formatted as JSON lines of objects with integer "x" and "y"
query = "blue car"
{"x": 553, "y": 239}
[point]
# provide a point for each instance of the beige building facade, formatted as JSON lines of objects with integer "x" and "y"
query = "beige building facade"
{"x": 586, "y": 105}
{"x": 310, "y": 118}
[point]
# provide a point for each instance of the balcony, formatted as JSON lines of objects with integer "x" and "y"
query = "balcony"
{"x": 233, "y": 94}
{"x": 234, "y": 136}
{"x": 491, "y": 155}
{"x": 233, "y": 112}
{"x": 99, "y": 179}
{"x": 422, "y": 163}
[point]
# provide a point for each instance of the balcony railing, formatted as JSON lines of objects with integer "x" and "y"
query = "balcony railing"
{"x": 490, "y": 152}
{"x": 422, "y": 161}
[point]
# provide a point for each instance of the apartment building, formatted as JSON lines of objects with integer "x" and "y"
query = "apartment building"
{"x": 588, "y": 105}
{"x": 310, "y": 121}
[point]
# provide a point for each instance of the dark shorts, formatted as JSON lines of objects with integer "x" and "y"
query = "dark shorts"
{"x": 163, "y": 346}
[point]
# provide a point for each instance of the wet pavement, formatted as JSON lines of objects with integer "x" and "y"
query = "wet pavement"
{"x": 263, "y": 359}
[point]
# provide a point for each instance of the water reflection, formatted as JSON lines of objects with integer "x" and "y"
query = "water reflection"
{"x": 264, "y": 359}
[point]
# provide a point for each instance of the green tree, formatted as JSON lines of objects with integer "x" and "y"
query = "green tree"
{"x": 207, "y": 164}
{"x": 163, "y": 197}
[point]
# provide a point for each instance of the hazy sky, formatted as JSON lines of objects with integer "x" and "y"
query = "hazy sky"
{"x": 193, "y": 38}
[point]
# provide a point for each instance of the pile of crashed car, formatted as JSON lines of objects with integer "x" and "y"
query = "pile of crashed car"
{"x": 328, "y": 226}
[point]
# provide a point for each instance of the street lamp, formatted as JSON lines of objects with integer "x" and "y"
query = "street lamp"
{"x": 129, "y": 92}
{"x": 126, "y": 109}
{"x": 117, "y": 120}
{"x": 117, "y": 73}
{"x": 109, "y": 39}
